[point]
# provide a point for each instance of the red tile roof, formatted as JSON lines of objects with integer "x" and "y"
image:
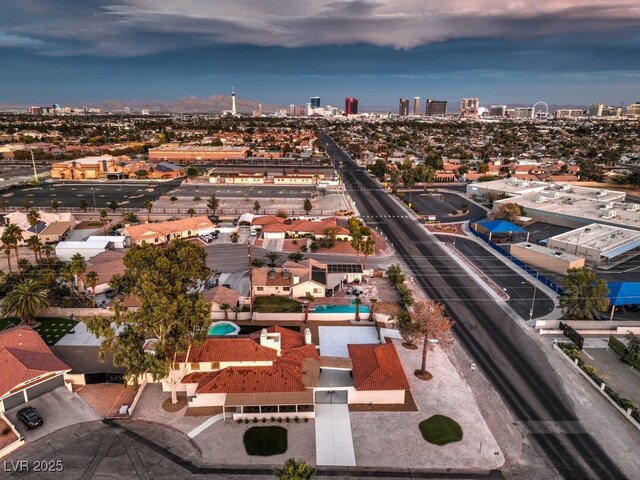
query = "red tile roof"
{"x": 377, "y": 367}
{"x": 230, "y": 350}
{"x": 250, "y": 380}
{"x": 288, "y": 338}
{"x": 25, "y": 356}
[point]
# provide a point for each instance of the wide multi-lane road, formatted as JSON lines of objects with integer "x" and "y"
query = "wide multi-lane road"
{"x": 512, "y": 362}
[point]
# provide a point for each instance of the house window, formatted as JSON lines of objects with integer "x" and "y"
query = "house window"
{"x": 316, "y": 290}
{"x": 260, "y": 289}
{"x": 195, "y": 365}
{"x": 286, "y": 289}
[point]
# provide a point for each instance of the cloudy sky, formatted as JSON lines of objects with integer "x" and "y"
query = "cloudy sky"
{"x": 283, "y": 51}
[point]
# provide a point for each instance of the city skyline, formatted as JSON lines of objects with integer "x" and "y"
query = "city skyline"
{"x": 562, "y": 53}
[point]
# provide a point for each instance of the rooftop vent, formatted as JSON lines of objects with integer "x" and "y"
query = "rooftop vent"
{"x": 542, "y": 200}
{"x": 609, "y": 214}
{"x": 272, "y": 273}
{"x": 633, "y": 207}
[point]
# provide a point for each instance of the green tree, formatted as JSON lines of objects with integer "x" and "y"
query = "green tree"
{"x": 225, "y": 307}
{"x": 511, "y": 212}
{"x": 308, "y": 301}
{"x": 432, "y": 326}
{"x": 113, "y": 205}
{"x": 584, "y": 295}
{"x": 296, "y": 257}
{"x": 47, "y": 250}
{"x": 256, "y": 206}
{"x": 77, "y": 266}
{"x": 294, "y": 470}
{"x": 234, "y": 237}
{"x": 307, "y": 206}
{"x": 191, "y": 212}
{"x": 23, "y": 265}
{"x": 356, "y": 244}
{"x": 35, "y": 245}
{"x": 407, "y": 329}
{"x": 84, "y": 205}
{"x": 633, "y": 342}
{"x": 273, "y": 257}
{"x": 357, "y": 302}
{"x": 213, "y": 203}
{"x": 55, "y": 204}
{"x": 92, "y": 278}
{"x": 192, "y": 172}
{"x": 11, "y": 237}
{"x": 257, "y": 262}
{"x": 24, "y": 300}
{"x": 163, "y": 280}
{"x": 373, "y": 304}
{"x": 148, "y": 206}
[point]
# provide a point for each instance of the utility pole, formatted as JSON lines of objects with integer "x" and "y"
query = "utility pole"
{"x": 33, "y": 162}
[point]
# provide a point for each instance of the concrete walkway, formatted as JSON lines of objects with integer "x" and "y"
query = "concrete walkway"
{"x": 80, "y": 337}
{"x": 273, "y": 244}
{"x": 334, "y": 444}
{"x": 207, "y": 423}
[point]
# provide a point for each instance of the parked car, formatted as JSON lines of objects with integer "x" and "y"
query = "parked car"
{"x": 110, "y": 293}
{"x": 30, "y": 417}
{"x": 206, "y": 238}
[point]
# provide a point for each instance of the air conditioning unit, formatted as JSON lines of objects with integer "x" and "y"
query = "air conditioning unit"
{"x": 542, "y": 200}
{"x": 633, "y": 207}
{"x": 607, "y": 206}
{"x": 602, "y": 193}
{"x": 609, "y": 214}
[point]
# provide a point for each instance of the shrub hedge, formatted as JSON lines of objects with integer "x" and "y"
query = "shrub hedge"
{"x": 624, "y": 353}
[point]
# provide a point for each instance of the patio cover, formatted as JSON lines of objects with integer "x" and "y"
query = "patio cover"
{"x": 624, "y": 293}
{"x": 501, "y": 226}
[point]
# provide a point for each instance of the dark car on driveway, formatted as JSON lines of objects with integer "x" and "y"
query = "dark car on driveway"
{"x": 30, "y": 417}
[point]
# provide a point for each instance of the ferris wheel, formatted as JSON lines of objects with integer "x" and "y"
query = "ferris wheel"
{"x": 543, "y": 110}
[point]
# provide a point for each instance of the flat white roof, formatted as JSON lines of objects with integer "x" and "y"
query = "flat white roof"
{"x": 598, "y": 236}
{"x": 549, "y": 252}
{"x": 103, "y": 242}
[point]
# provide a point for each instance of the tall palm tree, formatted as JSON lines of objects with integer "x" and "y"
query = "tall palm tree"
{"x": 78, "y": 266}
{"x": 67, "y": 275}
{"x": 225, "y": 307}
{"x": 48, "y": 251}
{"x": 295, "y": 470}
{"x": 92, "y": 280}
{"x": 35, "y": 245}
{"x": 373, "y": 304}
{"x": 148, "y": 206}
{"x": 356, "y": 244}
{"x": 33, "y": 217}
{"x": 26, "y": 298}
{"x": 11, "y": 236}
{"x": 191, "y": 212}
{"x": 307, "y": 306}
{"x": 272, "y": 257}
{"x": 47, "y": 276}
{"x": 104, "y": 217}
{"x": 7, "y": 252}
{"x": 24, "y": 265}
{"x": 358, "y": 302}
{"x": 368, "y": 248}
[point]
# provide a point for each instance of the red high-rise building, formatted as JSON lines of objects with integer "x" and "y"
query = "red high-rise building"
{"x": 350, "y": 106}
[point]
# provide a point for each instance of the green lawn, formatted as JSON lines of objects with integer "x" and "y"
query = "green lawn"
{"x": 265, "y": 441}
{"x": 50, "y": 329}
{"x": 276, "y": 305}
{"x": 440, "y": 430}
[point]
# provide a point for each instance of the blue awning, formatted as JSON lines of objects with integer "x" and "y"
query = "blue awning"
{"x": 501, "y": 226}
{"x": 621, "y": 249}
{"x": 624, "y": 293}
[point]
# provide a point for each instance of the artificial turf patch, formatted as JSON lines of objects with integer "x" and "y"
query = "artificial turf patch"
{"x": 265, "y": 441}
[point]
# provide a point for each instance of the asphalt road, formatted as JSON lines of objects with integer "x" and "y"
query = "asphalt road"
{"x": 512, "y": 362}
{"x": 426, "y": 204}
{"x": 128, "y": 194}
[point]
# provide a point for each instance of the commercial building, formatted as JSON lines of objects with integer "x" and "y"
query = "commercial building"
{"x": 315, "y": 102}
{"x": 568, "y": 113}
{"x": 416, "y": 106}
{"x": 195, "y": 154}
{"x": 601, "y": 245}
{"x": 435, "y": 108}
{"x": 498, "y": 110}
{"x": 403, "y": 109}
{"x": 602, "y": 110}
{"x": 633, "y": 110}
{"x": 524, "y": 112}
{"x": 469, "y": 107}
{"x": 350, "y": 106}
{"x": 545, "y": 259}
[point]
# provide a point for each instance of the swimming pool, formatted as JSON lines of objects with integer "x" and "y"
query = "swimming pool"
{"x": 340, "y": 309}
{"x": 223, "y": 328}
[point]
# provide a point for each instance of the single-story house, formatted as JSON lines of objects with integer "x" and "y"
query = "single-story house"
{"x": 89, "y": 248}
{"x": 219, "y": 296}
{"x": 106, "y": 265}
{"x": 162, "y": 232}
{"x": 279, "y": 228}
{"x": 51, "y": 226}
{"x": 28, "y": 368}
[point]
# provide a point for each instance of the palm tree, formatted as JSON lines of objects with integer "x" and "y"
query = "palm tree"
{"x": 77, "y": 266}
{"x": 35, "y": 245}
{"x": 7, "y": 252}
{"x": 103, "y": 218}
{"x": 295, "y": 470}
{"x": 84, "y": 205}
{"x": 47, "y": 277}
{"x": 24, "y": 265}
{"x": 358, "y": 302}
{"x": 257, "y": 262}
{"x": 296, "y": 257}
{"x": 213, "y": 203}
{"x": 33, "y": 217}
{"x": 67, "y": 275}
{"x": 148, "y": 206}
{"x": 367, "y": 248}
{"x": 373, "y": 304}
{"x": 225, "y": 308}
{"x": 356, "y": 244}
{"x": 24, "y": 300}
{"x": 234, "y": 237}
{"x": 256, "y": 206}
{"x": 11, "y": 237}
{"x": 307, "y": 306}
{"x": 48, "y": 251}
{"x": 92, "y": 280}
{"x": 191, "y": 212}
{"x": 273, "y": 257}
{"x": 113, "y": 205}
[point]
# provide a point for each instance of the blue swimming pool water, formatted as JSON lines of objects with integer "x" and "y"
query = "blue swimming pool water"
{"x": 340, "y": 309}
{"x": 221, "y": 329}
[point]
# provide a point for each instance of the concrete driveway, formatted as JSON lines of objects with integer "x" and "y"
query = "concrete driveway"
{"x": 334, "y": 444}
{"x": 59, "y": 409}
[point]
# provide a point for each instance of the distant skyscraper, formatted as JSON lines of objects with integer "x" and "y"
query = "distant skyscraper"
{"x": 469, "y": 107}
{"x": 523, "y": 112}
{"x": 436, "y": 108}
{"x": 403, "y": 109}
{"x": 416, "y": 105}
{"x": 498, "y": 111}
{"x": 292, "y": 110}
{"x": 350, "y": 106}
{"x": 233, "y": 101}
{"x": 127, "y": 110}
{"x": 315, "y": 102}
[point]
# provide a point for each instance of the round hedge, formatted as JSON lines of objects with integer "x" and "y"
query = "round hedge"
{"x": 440, "y": 430}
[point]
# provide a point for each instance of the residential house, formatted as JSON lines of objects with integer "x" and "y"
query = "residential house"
{"x": 166, "y": 171}
{"x": 279, "y": 228}
{"x": 219, "y": 296}
{"x": 51, "y": 227}
{"x": 106, "y": 265}
{"x": 162, "y": 232}
{"x": 28, "y": 368}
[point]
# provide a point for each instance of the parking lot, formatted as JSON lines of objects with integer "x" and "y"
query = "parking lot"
{"x": 59, "y": 409}
{"x": 427, "y": 204}
{"x": 240, "y": 191}
{"x": 70, "y": 194}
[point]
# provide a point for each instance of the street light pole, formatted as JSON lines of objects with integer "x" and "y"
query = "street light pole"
{"x": 94, "y": 197}
{"x": 535, "y": 289}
